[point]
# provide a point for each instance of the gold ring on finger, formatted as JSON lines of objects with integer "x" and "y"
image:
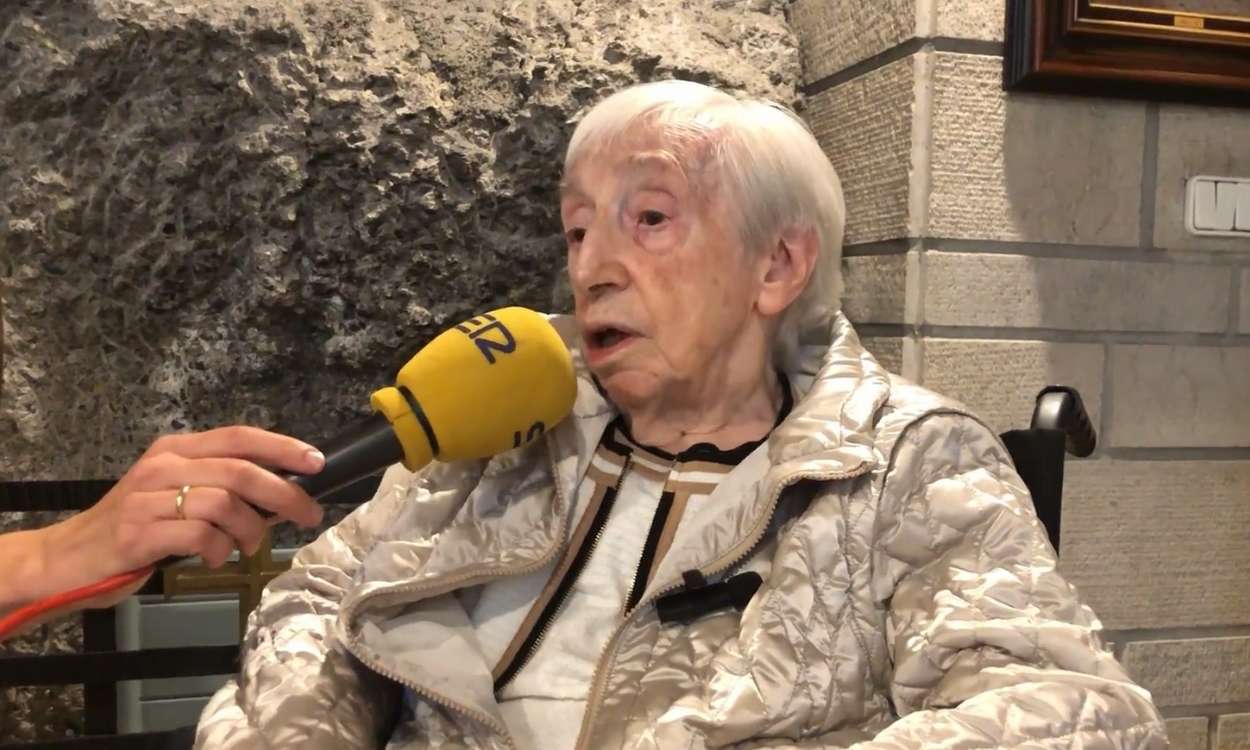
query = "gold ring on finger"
{"x": 180, "y": 501}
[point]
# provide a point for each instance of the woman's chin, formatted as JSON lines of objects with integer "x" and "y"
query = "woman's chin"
{"x": 629, "y": 389}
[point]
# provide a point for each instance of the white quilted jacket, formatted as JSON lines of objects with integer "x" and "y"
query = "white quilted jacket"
{"x": 909, "y": 600}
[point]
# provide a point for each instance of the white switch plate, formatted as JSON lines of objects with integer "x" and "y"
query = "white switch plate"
{"x": 1218, "y": 206}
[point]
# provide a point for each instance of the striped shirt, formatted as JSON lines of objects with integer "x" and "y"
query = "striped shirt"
{"x": 546, "y": 631}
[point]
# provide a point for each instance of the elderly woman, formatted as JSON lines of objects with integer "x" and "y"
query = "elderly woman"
{"x": 748, "y": 533}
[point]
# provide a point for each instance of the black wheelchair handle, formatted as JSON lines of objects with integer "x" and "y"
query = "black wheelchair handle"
{"x": 1059, "y": 407}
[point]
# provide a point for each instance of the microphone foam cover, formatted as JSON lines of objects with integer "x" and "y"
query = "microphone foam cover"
{"x": 490, "y": 384}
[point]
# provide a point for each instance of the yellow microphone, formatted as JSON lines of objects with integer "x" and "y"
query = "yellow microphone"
{"x": 495, "y": 382}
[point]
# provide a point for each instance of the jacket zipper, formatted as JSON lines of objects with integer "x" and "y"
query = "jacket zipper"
{"x": 727, "y": 561}
{"x": 647, "y": 559}
{"x": 429, "y": 695}
{"x": 476, "y": 576}
{"x": 556, "y": 606}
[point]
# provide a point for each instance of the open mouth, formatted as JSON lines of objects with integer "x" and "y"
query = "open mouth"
{"x": 603, "y": 340}
{"x": 608, "y": 337}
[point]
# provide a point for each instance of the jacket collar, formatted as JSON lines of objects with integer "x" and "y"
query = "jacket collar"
{"x": 840, "y": 387}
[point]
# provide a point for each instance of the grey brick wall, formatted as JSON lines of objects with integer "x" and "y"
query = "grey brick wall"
{"x": 1244, "y": 326}
{"x": 1233, "y": 732}
{"x": 1189, "y": 733}
{"x": 865, "y": 127}
{"x": 1000, "y": 242}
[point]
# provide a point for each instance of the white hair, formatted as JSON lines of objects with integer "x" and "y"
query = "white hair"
{"x": 776, "y": 175}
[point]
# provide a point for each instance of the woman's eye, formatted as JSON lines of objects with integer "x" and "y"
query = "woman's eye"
{"x": 652, "y": 218}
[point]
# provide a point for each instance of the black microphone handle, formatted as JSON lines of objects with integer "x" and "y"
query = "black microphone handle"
{"x": 363, "y": 448}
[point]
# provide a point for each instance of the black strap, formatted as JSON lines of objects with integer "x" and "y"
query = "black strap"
{"x": 57, "y": 495}
{"x": 175, "y": 739}
{"x": 115, "y": 666}
{"x": 80, "y": 494}
{"x": 692, "y": 602}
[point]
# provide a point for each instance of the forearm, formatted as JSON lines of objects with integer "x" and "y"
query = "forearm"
{"x": 47, "y": 561}
{"x": 23, "y": 558}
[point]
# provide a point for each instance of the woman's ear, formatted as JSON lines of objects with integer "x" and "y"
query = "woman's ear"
{"x": 789, "y": 266}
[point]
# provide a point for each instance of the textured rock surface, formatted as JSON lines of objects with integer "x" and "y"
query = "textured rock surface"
{"x": 255, "y": 210}
{"x": 42, "y": 713}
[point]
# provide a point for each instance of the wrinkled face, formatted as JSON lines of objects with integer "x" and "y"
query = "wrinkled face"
{"x": 662, "y": 285}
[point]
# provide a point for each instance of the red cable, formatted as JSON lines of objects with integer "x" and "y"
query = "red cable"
{"x": 13, "y": 621}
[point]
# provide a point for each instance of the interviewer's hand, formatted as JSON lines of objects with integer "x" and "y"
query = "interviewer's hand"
{"x": 137, "y": 522}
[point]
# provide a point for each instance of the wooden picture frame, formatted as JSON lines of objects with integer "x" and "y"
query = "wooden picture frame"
{"x": 1108, "y": 48}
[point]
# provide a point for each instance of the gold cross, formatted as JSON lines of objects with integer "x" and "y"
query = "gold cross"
{"x": 247, "y": 578}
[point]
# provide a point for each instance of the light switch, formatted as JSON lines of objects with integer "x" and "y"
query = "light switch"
{"x": 1202, "y": 192}
{"x": 1242, "y": 223}
{"x": 1218, "y": 206}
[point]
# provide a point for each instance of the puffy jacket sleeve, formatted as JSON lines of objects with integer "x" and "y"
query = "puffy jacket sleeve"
{"x": 989, "y": 645}
{"x": 298, "y": 687}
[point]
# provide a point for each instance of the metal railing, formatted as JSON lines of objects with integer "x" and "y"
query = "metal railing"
{"x": 101, "y": 665}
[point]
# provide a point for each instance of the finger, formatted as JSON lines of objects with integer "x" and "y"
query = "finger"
{"x": 218, "y": 506}
{"x": 184, "y": 538}
{"x": 249, "y": 482}
{"x": 241, "y": 441}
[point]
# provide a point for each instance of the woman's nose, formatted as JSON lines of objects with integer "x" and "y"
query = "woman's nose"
{"x": 594, "y": 267}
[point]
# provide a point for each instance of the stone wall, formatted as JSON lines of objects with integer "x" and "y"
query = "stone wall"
{"x": 255, "y": 210}
{"x": 998, "y": 243}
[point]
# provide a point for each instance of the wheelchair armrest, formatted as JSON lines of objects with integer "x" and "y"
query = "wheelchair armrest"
{"x": 1059, "y": 407}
